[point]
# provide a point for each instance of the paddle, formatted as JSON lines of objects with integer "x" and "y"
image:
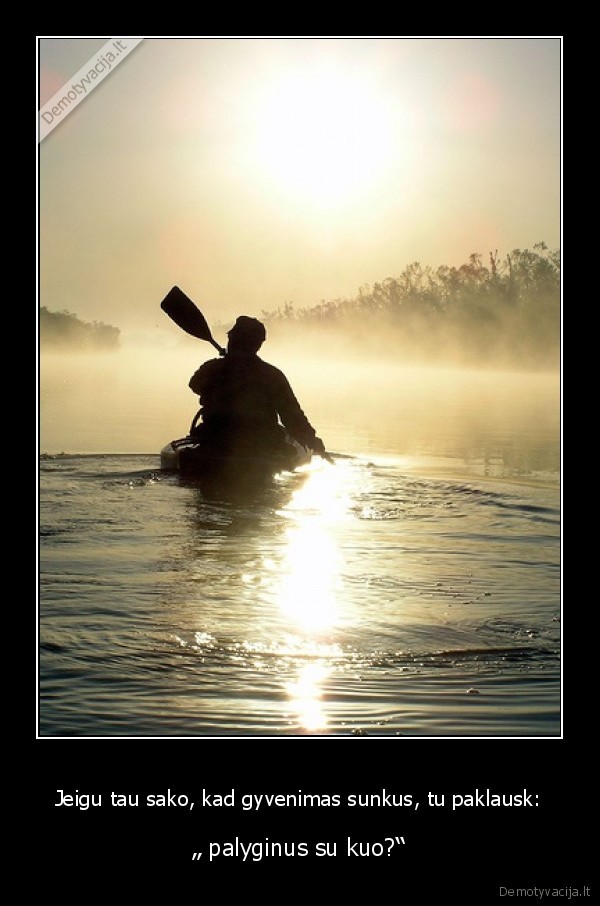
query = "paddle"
{"x": 186, "y": 315}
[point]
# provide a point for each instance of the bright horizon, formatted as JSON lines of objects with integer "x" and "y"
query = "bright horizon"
{"x": 259, "y": 171}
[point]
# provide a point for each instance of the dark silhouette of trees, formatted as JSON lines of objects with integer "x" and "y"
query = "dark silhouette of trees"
{"x": 62, "y": 330}
{"x": 506, "y": 312}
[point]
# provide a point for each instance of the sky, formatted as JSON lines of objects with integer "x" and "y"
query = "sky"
{"x": 257, "y": 171}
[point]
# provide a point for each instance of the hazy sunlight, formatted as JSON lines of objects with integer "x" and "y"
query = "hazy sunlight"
{"x": 261, "y": 171}
{"x": 322, "y": 138}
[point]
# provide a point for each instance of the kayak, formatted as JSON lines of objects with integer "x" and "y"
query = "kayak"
{"x": 195, "y": 461}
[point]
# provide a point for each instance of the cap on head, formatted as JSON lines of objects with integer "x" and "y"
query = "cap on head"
{"x": 247, "y": 333}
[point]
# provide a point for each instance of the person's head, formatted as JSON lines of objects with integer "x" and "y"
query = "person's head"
{"x": 246, "y": 335}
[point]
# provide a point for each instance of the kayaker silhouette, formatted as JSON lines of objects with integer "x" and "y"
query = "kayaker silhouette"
{"x": 248, "y": 405}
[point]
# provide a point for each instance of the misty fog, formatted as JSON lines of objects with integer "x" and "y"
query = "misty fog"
{"x": 136, "y": 399}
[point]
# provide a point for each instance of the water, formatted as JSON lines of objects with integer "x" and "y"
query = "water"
{"x": 412, "y": 588}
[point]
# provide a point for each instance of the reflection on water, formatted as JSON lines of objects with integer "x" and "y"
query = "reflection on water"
{"x": 356, "y": 598}
{"x": 308, "y": 586}
{"x": 293, "y": 581}
{"x": 305, "y": 695}
{"x": 307, "y": 591}
{"x": 308, "y": 582}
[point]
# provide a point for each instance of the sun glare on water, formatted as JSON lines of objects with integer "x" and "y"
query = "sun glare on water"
{"x": 308, "y": 593}
{"x": 308, "y": 589}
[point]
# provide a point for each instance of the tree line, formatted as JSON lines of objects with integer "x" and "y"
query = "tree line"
{"x": 504, "y": 311}
{"x": 60, "y": 330}
{"x": 501, "y": 311}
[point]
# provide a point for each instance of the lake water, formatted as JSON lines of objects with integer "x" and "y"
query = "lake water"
{"x": 412, "y": 588}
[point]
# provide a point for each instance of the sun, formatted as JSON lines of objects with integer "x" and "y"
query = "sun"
{"x": 322, "y": 138}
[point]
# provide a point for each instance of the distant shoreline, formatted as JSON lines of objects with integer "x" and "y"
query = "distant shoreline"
{"x": 63, "y": 331}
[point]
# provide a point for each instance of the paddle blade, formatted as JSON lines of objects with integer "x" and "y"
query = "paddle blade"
{"x": 182, "y": 310}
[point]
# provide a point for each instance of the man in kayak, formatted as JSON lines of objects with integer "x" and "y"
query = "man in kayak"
{"x": 247, "y": 405}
